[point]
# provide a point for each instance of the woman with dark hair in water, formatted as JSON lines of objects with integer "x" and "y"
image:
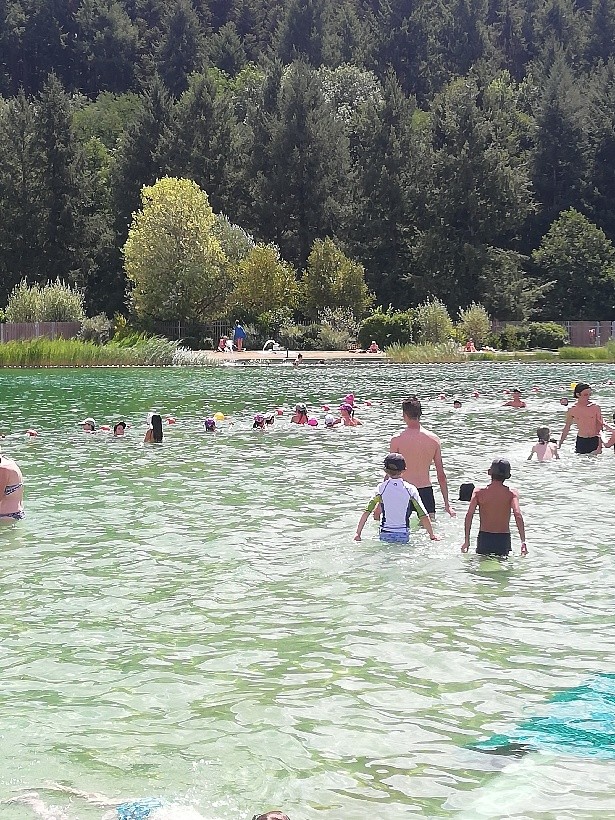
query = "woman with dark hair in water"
{"x": 154, "y": 434}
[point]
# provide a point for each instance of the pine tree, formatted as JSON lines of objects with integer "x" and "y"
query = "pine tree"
{"x": 300, "y": 164}
{"x": 138, "y": 161}
{"x": 199, "y": 143}
{"x": 601, "y": 147}
{"x": 181, "y": 50}
{"x": 107, "y": 45}
{"x": 61, "y": 240}
{"x": 21, "y": 195}
{"x": 559, "y": 160}
{"x": 301, "y": 32}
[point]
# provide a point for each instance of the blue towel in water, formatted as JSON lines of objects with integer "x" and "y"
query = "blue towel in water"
{"x": 580, "y": 721}
{"x": 138, "y": 809}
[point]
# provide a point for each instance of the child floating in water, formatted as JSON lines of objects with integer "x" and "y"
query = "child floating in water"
{"x": 397, "y": 500}
{"x": 546, "y": 449}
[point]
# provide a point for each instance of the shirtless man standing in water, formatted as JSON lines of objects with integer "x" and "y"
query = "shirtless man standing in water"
{"x": 588, "y": 418}
{"x": 11, "y": 491}
{"x": 421, "y": 449}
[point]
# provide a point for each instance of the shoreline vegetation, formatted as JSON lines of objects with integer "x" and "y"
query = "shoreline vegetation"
{"x": 157, "y": 351}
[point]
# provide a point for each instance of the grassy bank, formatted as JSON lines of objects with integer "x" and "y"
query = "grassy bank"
{"x": 450, "y": 352}
{"x": 73, "y": 353}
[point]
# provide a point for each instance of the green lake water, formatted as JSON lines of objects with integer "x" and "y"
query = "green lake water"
{"x": 193, "y": 620}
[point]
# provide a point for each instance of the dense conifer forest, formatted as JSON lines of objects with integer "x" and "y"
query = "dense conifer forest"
{"x": 463, "y": 149}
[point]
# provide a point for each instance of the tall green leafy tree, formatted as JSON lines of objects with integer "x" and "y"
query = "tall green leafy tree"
{"x": 300, "y": 164}
{"x": 332, "y": 280}
{"x": 580, "y": 261}
{"x": 173, "y": 261}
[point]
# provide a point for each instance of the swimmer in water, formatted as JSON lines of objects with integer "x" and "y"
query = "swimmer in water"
{"x": 154, "y": 434}
{"x": 546, "y": 449}
{"x": 457, "y": 404}
{"x": 11, "y": 491}
{"x": 259, "y": 422}
{"x": 210, "y": 424}
{"x": 300, "y": 416}
{"x": 143, "y": 809}
{"x": 119, "y": 429}
{"x": 331, "y": 421}
{"x": 88, "y": 425}
{"x": 564, "y": 401}
{"x": 347, "y": 416}
{"x": 269, "y": 419}
{"x": 495, "y": 504}
{"x": 588, "y": 418}
{"x": 610, "y": 442}
{"x": 516, "y": 400}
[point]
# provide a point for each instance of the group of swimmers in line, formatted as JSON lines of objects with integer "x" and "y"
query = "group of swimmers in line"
{"x": 151, "y": 808}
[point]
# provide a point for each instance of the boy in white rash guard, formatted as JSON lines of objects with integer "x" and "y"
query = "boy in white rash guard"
{"x": 398, "y": 500}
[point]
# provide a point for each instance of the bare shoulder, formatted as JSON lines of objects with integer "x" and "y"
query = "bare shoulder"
{"x": 430, "y": 435}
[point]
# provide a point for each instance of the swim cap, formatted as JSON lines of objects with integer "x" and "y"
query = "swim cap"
{"x": 301, "y": 408}
{"x": 259, "y": 418}
{"x": 347, "y": 407}
{"x": 313, "y": 422}
{"x": 329, "y": 420}
{"x": 219, "y": 416}
{"x": 349, "y": 398}
{"x": 210, "y": 423}
{"x": 89, "y": 420}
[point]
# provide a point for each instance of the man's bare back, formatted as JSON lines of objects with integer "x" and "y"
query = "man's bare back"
{"x": 420, "y": 448}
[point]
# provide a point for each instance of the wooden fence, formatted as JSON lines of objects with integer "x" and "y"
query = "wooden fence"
{"x": 580, "y": 334}
{"x": 20, "y": 331}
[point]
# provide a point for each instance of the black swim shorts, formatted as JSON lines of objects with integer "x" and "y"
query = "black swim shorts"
{"x": 493, "y": 543}
{"x": 587, "y": 445}
{"x": 427, "y": 497}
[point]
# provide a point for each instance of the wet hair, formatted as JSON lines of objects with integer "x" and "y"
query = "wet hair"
{"x": 156, "y": 422}
{"x": 411, "y": 407}
{"x": 119, "y": 424}
{"x": 544, "y": 434}
{"x": 579, "y": 388}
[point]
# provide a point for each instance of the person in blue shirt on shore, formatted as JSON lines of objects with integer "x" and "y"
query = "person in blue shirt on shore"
{"x": 398, "y": 500}
{"x": 239, "y": 336}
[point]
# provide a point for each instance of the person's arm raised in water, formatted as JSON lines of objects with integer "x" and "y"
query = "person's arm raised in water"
{"x": 531, "y": 455}
{"x": 441, "y": 475}
{"x": 516, "y": 511}
{"x": 468, "y": 520}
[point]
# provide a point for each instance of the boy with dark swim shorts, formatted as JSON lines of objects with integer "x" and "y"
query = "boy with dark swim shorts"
{"x": 588, "y": 417}
{"x": 495, "y": 504}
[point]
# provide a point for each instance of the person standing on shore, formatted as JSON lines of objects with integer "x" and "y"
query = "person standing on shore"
{"x": 11, "y": 491}
{"x": 239, "y": 335}
{"x": 420, "y": 449}
{"x": 588, "y": 418}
